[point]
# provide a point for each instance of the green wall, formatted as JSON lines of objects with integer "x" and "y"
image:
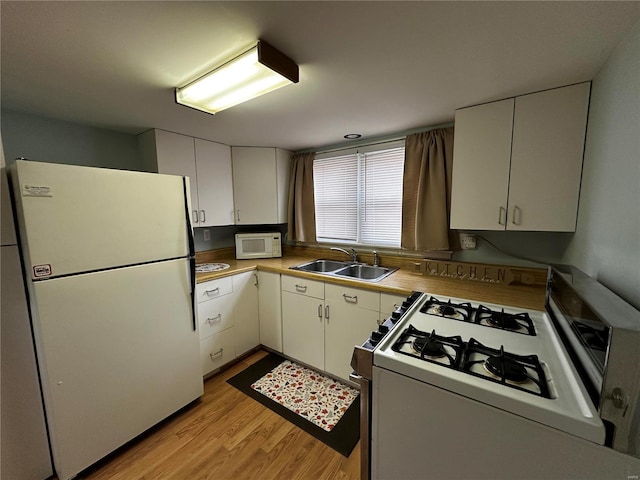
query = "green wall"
{"x": 606, "y": 244}
{"x": 48, "y": 140}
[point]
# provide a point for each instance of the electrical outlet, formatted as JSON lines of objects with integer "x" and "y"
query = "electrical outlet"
{"x": 467, "y": 241}
{"x": 207, "y": 235}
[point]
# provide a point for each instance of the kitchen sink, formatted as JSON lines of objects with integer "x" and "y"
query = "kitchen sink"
{"x": 369, "y": 273}
{"x": 321, "y": 266}
{"x": 355, "y": 271}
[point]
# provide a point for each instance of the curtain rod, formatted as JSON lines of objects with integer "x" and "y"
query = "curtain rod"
{"x": 372, "y": 141}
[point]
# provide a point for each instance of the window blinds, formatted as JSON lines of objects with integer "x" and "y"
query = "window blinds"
{"x": 358, "y": 197}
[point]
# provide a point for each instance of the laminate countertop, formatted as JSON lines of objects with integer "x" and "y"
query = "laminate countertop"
{"x": 401, "y": 282}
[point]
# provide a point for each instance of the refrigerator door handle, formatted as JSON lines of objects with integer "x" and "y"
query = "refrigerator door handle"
{"x": 192, "y": 254}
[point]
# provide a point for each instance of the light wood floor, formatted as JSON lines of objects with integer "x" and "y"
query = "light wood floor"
{"x": 226, "y": 435}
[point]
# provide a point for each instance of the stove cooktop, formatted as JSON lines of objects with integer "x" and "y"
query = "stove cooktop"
{"x": 506, "y": 357}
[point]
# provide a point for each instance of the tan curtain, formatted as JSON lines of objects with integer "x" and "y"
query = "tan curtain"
{"x": 426, "y": 195}
{"x": 301, "y": 213}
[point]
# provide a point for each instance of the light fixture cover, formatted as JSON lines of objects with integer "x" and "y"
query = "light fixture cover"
{"x": 255, "y": 72}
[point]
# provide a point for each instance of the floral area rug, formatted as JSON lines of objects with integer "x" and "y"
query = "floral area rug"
{"x": 319, "y": 399}
{"x": 327, "y": 409}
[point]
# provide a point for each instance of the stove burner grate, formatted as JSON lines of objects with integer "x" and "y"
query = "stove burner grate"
{"x": 513, "y": 322}
{"x": 523, "y": 372}
{"x": 433, "y": 348}
{"x": 456, "y": 311}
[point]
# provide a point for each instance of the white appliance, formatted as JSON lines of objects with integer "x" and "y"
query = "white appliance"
{"x": 108, "y": 255}
{"x": 25, "y": 446}
{"x": 464, "y": 390}
{"x": 258, "y": 245}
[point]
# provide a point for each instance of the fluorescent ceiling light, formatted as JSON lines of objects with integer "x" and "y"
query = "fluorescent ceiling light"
{"x": 255, "y": 72}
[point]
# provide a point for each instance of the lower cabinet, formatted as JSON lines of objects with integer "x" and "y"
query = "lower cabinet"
{"x": 388, "y": 303}
{"x": 245, "y": 309}
{"x": 321, "y": 322}
{"x": 303, "y": 320}
{"x": 270, "y": 310}
{"x": 227, "y": 319}
{"x": 351, "y": 316}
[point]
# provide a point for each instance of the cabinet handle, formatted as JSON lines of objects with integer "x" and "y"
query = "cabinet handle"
{"x": 350, "y": 298}
{"x": 203, "y": 216}
{"x": 215, "y": 290}
{"x": 301, "y": 288}
{"x": 255, "y": 275}
{"x": 516, "y": 213}
{"x": 238, "y": 215}
{"x": 212, "y": 355}
{"x": 326, "y": 312}
{"x": 216, "y": 319}
{"x": 500, "y": 222}
{"x": 195, "y": 216}
{"x": 320, "y": 311}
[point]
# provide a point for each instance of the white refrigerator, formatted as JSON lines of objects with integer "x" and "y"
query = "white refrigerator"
{"x": 108, "y": 255}
{"x": 24, "y": 445}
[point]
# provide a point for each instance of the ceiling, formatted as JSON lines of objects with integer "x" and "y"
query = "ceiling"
{"x": 374, "y": 68}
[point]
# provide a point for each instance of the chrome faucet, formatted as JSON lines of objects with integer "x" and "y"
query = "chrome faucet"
{"x": 375, "y": 258}
{"x": 353, "y": 254}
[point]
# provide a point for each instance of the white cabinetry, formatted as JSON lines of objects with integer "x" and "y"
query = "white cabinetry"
{"x": 245, "y": 309}
{"x": 208, "y": 166}
{"x": 388, "y": 303}
{"x": 351, "y": 316}
{"x": 215, "y": 321}
{"x": 302, "y": 320}
{"x": 270, "y": 314}
{"x": 227, "y": 318}
{"x": 518, "y": 162}
{"x": 322, "y": 322}
{"x": 260, "y": 185}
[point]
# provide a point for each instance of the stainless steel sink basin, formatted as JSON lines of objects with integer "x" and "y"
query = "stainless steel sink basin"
{"x": 321, "y": 266}
{"x": 359, "y": 271}
{"x": 365, "y": 272}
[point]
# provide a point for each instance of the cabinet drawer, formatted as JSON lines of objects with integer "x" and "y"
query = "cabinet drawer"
{"x": 303, "y": 286}
{"x": 353, "y": 296}
{"x": 214, "y": 289}
{"x": 389, "y": 302}
{"x": 217, "y": 350}
{"x": 215, "y": 315}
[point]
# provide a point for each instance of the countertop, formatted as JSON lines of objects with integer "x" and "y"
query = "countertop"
{"x": 401, "y": 282}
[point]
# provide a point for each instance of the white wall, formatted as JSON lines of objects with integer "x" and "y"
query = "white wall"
{"x": 606, "y": 244}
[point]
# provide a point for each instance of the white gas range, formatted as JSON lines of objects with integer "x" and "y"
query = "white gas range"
{"x": 505, "y": 357}
{"x": 455, "y": 389}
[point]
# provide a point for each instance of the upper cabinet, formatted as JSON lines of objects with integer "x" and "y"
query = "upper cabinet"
{"x": 260, "y": 185}
{"x": 518, "y": 162}
{"x": 208, "y": 166}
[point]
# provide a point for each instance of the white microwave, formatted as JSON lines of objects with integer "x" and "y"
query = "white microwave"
{"x": 258, "y": 245}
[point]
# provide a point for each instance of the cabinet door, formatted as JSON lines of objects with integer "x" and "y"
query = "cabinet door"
{"x": 215, "y": 187}
{"x": 352, "y": 316}
{"x": 255, "y": 185}
{"x": 175, "y": 155}
{"x": 270, "y": 314}
{"x": 303, "y": 328}
{"x": 481, "y": 157}
{"x": 546, "y": 160}
{"x": 245, "y": 296}
{"x": 388, "y": 303}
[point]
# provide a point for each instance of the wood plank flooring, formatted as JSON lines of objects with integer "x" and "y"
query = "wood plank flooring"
{"x": 226, "y": 435}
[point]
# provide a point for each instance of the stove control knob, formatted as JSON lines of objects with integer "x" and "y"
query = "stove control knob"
{"x": 376, "y": 336}
{"x": 383, "y": 328}
{"x": 406, "y": 304}
{"x": 395, "y": 316}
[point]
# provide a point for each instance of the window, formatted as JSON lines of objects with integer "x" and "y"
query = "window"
{"x": 358, "y": 195}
